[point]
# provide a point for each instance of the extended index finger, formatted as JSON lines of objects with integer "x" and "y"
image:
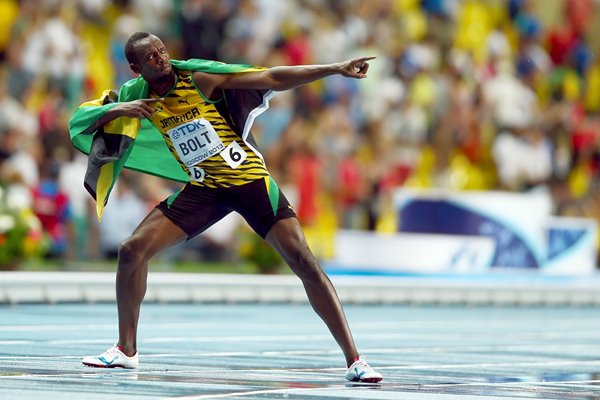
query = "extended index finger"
{"x": 363, "y": 59}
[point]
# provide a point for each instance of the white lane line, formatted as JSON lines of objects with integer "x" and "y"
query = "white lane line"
{"x": 59, "y": 328}
{"x": 301, "y": 391}
{"x": 334, "y": 352}
{"x": 495, "y": 349}
{"x": 269, "y": 325}
{"x": 570, "y": 335}
{"x": 14, "y": 342}
{"x": 404, "y": 367}
{"x": 480, "y": 365}
{"x": 283, "y": 392}
{"x": 35, "y": 359}
{"x": 385, "y": 351}
{"x": 527, "y": 383}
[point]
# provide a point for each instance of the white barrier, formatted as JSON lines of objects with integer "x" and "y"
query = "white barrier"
{"x": 57, "y": 287}
{"x": 357, "y": 251}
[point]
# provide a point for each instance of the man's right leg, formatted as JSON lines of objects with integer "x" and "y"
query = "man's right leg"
{"x": 155, "y": 233}
{"x": 184, "y": 214}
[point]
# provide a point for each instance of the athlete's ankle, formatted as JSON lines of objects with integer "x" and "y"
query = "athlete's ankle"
{"x": 352, "y": 359}
{"x": 129, "y": 351}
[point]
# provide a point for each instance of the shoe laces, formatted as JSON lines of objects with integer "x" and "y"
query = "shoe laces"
{"x": 114, "y": 350}
{"x": 362, "y": 362}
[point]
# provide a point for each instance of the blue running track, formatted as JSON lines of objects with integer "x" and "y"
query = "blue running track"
{"x": 261, "y": 351}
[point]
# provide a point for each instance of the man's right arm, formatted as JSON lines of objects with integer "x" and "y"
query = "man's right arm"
{"x": 133, "y": 109}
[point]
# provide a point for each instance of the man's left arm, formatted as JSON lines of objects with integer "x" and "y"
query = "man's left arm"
{"x": 281, "y": 78}
{"x": 284, "y": 78}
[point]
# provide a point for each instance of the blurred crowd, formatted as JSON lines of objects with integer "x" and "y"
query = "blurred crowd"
{"x": 463, "y": 95}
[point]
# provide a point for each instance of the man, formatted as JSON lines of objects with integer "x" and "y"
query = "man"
{"x": 193, "y": 109}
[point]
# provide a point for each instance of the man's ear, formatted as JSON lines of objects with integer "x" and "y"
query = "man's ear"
{"x": 134, "y": 68}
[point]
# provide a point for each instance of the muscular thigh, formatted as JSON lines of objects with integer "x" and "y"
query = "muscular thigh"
{"x": 194, "y": 209}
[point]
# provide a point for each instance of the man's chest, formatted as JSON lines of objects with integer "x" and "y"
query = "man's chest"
{"x": 196, "y": 131}
{"x": 177, "y": 109}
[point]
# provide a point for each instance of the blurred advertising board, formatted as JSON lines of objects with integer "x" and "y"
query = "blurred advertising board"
{"x": 445, "y": 232}
{"x": 362, "y": 251}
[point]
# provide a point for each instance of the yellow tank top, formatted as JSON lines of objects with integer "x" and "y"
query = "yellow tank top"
{"x": 200, "y": 137}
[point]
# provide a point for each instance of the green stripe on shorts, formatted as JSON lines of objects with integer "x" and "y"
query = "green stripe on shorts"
{"x": 172, "y": 198}
{"x": 273, "y": 191}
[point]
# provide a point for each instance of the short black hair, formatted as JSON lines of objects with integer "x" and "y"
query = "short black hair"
{"x": 130, "y": 45}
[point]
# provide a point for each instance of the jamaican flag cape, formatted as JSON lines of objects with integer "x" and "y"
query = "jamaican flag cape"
{"x": 136, "y": 144}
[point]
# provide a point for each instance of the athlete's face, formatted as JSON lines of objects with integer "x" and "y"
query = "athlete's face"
{"x": 152, "y": 59}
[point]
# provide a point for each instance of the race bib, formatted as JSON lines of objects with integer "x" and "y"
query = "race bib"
{"x": 234, "y": 155}
{"x": 197, "y": 174}
{"x": 195, "y": 141}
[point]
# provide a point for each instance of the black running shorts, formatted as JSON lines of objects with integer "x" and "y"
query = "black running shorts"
{"x": 195, "y": 208}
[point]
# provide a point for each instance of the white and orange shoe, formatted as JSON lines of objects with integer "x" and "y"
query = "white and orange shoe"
{"x": 112, "y": 358}
{"x": 360, "y": 371}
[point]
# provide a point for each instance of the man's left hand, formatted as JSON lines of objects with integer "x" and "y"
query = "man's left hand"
{"x": 356, "y": 68}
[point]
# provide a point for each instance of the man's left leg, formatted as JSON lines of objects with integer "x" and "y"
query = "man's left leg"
{"x": 269, "y": 213}
{"x": 287, "y": 238}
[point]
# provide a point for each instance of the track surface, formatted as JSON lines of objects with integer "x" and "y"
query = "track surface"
{"x": 260, "y": 351}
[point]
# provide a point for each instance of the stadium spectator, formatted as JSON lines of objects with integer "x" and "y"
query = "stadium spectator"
{"x": 53, "y": 208}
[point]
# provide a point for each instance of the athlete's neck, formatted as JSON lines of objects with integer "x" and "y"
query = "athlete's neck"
{"x": 164, "y": 84}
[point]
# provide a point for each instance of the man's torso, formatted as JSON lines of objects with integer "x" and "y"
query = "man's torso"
{"x": 200, "y": 138}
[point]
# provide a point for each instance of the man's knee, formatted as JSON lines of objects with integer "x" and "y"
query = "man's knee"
{"x": 306, "y": 266}
{"x": 131, "y": 250}
{"x": 287, "y": 237}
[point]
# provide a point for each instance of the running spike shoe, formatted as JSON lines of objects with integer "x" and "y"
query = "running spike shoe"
{"x": 112, "y": 358}
{"x": 360, "y": 371}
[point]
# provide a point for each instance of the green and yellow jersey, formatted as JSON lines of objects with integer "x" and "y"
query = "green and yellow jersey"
{"x": 203, "y": 138}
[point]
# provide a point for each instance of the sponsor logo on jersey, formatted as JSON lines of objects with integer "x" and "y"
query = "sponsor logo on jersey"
{"x": 178, "y": 119}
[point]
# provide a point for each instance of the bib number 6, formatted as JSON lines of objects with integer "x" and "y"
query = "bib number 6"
{"x": 197, "y": 174}
{"x": 234, "y": 155}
